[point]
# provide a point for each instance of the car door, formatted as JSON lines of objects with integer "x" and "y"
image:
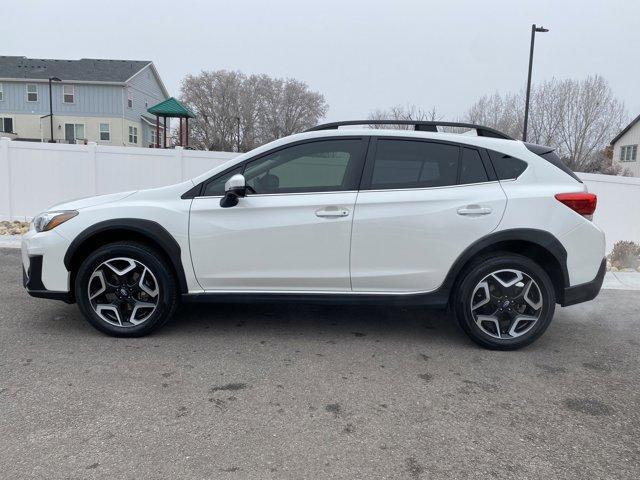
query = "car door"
{"x": 421, "y": 204}
{"x": 292, "y": 232}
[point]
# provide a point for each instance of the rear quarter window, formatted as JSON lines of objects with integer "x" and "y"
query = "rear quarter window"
{"x": 507, "y": 167}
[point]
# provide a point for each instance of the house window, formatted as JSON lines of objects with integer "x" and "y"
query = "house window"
{"x": 1, "y": 93}
{"x": 68, "y": 94}
{"x": 628, "y": 153}
{"x": 6, "y": 124}
{"x": 129, "y": 99}
{"x": 133, "y": 134}
{"x": 74, "y": 132}
{"x": 105, "y": 132}
{"x": 32, "y": 92}
{"x": 154, "y": 137}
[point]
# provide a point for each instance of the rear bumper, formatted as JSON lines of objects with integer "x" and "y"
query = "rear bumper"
{"x": 585, "y": 291}
{"x": 32, "y": 281}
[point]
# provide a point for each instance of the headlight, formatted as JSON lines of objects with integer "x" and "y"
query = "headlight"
{"x": 50, "y": 220}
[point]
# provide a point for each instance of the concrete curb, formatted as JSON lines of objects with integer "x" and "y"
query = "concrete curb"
{"x": 10, "y": 241}
{"x": 622, "y": 281}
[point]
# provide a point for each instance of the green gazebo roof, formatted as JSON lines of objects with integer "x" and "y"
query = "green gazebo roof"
{"x": 171, "y": 108}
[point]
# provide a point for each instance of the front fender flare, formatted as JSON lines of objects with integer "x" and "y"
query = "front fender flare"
{"x": 146, "y": 228}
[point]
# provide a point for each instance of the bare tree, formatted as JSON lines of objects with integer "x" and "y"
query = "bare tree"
{"x": 404, "y": 112}
{"x": 591, "y": 117}
{"x": 504, "y": 113}
{"x": 267, "y": 108}
{"x": 547, "y": 113}
{"x": 578, "y": 117}
{"x": 250, "y": 104}
{"x": 214, "y": 97}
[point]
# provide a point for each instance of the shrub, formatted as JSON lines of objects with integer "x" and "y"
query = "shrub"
{"x": 625, "y": 254}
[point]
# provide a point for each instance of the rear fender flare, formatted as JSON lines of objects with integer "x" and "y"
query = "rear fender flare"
{"x": 540, "y": 238}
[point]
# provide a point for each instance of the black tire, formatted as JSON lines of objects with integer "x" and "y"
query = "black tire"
{"x": 475, "y": 273}
{"x": 167, "y": 289}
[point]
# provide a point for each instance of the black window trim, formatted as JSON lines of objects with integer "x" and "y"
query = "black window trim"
{"x": 482, "y": 160}
{"x": 488, "y": 165}
{"x": 198, "y": 190}
{"x": 365, "y": 183}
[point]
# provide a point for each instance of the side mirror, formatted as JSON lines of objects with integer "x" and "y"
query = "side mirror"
{"x": 235, "y": 188}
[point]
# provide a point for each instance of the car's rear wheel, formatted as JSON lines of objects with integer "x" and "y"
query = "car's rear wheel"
{"x": 126, "y": 289}
{"x": 504, "y": 301}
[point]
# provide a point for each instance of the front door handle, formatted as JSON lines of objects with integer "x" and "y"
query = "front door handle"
{"x": 474, "y": 210}
{"x": 332, "y": 212}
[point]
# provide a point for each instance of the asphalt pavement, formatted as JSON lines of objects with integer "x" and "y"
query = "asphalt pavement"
{"x": 239, "y": 391}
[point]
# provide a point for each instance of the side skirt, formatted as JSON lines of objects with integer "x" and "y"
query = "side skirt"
{"x": 436, "y": 299}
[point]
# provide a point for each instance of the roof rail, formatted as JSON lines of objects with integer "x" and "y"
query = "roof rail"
{"x": 420, "y": 125}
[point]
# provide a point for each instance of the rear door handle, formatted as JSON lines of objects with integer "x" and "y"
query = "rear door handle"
{"x": 332, "y": 212}
{"x": 474, "y": 210}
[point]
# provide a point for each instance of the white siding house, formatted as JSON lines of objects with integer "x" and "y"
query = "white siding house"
{"x": 625, "y": 147}
{"x": 92, "y": 100}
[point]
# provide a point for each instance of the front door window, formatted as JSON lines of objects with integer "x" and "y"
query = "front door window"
{"x": 324, "y": 166}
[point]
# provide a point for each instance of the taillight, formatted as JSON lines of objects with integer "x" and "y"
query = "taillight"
{"x": 582, "y": 203}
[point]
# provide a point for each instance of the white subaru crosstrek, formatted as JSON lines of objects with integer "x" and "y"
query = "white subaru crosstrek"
{"x": 495, "y": 229}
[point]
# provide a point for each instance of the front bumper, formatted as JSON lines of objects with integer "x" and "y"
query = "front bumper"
{"x": 32, "y": 281}
{"x": 585, "y": 291}
{"x": 43, "y": 270}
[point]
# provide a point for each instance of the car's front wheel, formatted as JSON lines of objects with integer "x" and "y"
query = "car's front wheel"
{"x": 126, "y": 289}
{"x": 504, "y": 301}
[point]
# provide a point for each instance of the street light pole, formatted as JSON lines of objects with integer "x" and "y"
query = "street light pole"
{"x": 51, "y": 79}
{"x": 534, "y": 29}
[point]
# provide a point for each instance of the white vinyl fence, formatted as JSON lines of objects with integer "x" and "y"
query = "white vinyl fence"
{"x": 34, "y": 176}
{"x": 618, "y": 210}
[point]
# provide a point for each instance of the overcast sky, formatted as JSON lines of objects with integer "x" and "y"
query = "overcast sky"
{"x": 361, "y": 55}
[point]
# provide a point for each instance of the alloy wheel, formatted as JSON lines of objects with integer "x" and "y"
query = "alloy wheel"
{"x": 123, "y": 292}
{"x": 506, "y": 304}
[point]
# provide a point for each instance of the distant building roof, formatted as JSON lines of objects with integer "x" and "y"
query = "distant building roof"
{"x": 625, "y": 129}
{"x": 171, "y": 108}
{"x": 85, "y": 69}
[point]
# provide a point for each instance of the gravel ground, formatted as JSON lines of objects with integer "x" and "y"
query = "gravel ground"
{"x": 297, "y": 392}
{"x": 13, "y": 228}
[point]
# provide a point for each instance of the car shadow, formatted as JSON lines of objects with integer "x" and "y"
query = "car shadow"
{"x": 309, "y": 320}
{"x": 248, "y": 320}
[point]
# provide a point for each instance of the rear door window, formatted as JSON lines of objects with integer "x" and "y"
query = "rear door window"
{"x": 414, "y": 164}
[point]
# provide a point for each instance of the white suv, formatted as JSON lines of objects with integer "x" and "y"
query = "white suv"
{"x": 495, "y": 229}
